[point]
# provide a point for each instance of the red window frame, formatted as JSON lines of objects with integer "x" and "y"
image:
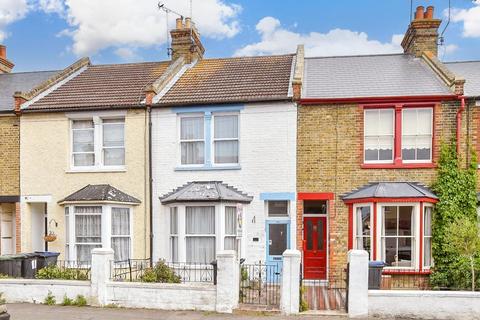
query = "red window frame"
{"x": 397, "y": 149}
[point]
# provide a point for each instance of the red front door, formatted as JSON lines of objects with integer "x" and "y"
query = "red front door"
{"x": 315, "y": 247}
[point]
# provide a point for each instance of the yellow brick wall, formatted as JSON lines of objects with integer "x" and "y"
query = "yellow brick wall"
{"x": 9, "y": 156}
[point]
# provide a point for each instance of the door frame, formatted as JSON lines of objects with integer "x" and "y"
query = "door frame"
{"x": 267, "y": 232}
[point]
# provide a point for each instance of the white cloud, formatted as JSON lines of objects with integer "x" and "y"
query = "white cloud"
{"x": 277, "y": 40}
{"x": 52, "y": 6}
{"x": 11, "y": 11}
{"x": 96, "y": 25}
{"x": 451, "y": 48}
{"x": 470, "y": 18}
{"x": 127, "y": 53}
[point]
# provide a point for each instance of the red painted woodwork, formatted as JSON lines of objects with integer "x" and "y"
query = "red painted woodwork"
{"x": 421, "y": 237}
{"x": 375, "y": 200}
{"x": 315, "y": 248}
{"x": 374, "y": 240}
{"x": 315, "y": 196}
{"x": 350, "y": 227}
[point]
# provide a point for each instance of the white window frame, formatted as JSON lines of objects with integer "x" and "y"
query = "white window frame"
{"x": 213, "y": 139}
{"x": 180, "y": 141}
{"x": 173, "y": 257}
{"x": 106, "y": 236}
{"x": 73, "y": 153}
{"x": 129, "y": 236}
{"x": 116, "y": 147}
{"x": 430, "y": 135}
{"x": 355, "y": 235}
{"x": 98, "y": 143}
{"x": 424, "y": 266}
{"x": 230, "y": 235}
{"x": 389, "y": 135}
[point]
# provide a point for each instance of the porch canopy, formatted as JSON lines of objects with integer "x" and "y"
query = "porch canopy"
{"x": 100, "y": 193}
{"x": 206, "y": 191}
{"x": 378, "y": 191}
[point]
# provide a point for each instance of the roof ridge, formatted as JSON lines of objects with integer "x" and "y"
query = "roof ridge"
{"x": 251, "y": 57}
{"x": 358, "y": 56}
{"x": 27, "y": 72}
{"x": 129, "y": 63}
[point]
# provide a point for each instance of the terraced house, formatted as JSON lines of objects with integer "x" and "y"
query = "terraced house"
{"x": 369, "y": 132}
{"x": 10, "y": 218}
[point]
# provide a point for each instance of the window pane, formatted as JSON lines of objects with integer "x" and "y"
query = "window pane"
{"x": 83, "y": 159}
{"x": 120, "y": 221}
{"x": 405, "y": 221}
{"x": 371, "y": 122}
{"x": 174, "y": 249}
{"x": 193, "y": 152}
{"x": 409, "y": 122}
{"x": 114, "y": 157}
{"x": 113, "y": 134}
{"x": 226, "y": 127}
{"x": 427, "y": 252}
{"x": 200, "y": 220}
{"x": 320, "y": 234}
{"x": 424, "y": 123}
{"x": 309, "y": 235}
{"x": 278, "y": 208}
{"x": 226, "y": 151}
{"x": 84, "y": 251}
{"x": 315, "y": 207}
{"x": 427, "y": 222}
{"x": 121, "y": 248}
{"x": 363, "y": 221}
{"x": 83, "y": 141}
{"x": 390, "y": 251}
{"x": 230, "y": 243}
{"x": 82, "y": 124}
{"x": 191, "y": 128}
{"x": 230, "y": 220}
{"x": 174, "y": 220}
{"x": 404, "y": 252}
{"x": 424, "y": 144}
{"x": 385, "y": 122}
{"x": 385, "y": 145}
{"x": 200, "y": 249}
{"x": 363, "y": 243}
{"x": 390, "y": 221}
{"x": 88, "y": 229}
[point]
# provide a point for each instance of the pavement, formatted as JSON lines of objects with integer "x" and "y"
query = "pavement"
{"x": 26, "y": 311}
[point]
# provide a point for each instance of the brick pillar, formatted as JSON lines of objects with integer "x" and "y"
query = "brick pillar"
{"x": 18, "y": 228}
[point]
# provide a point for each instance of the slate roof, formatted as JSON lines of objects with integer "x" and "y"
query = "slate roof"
{"x": 470, "y": 71}
{"x": 200, "y": 191}
{"x": 391, "y": 190}
{"x": 103, "y": 87}
{"x": 21, "y": 81}
{"x": 230, "y": 80}
{"x": 370, "y": 76}
{"x": 100, "y": 192}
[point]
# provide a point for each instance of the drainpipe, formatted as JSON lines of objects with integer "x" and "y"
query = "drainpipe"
{"x": 459, "y": 122}
{"x": 150, "y": 180}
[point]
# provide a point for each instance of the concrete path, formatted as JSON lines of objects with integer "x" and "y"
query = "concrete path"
{"x": 42, "y": 312}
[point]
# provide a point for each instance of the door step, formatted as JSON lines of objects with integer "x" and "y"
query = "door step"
{"x": 257, "y": 308}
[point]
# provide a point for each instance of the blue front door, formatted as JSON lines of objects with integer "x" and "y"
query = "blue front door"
{"x": 278, "y": 240}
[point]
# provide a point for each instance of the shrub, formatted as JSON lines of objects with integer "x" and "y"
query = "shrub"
{"x": 80, "y": 301}
{"x": 4, "y": 276}
{"x": 2, "y": 299}
{"x": 160, "y": 273}
{"x": 50, "y": 299}
{"x": 303, "y": 302}
{"x": 53, "y": 272}
{"x": 67, "y": 301}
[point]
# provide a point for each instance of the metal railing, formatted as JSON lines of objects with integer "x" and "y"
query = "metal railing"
{"x": 142, "y": 270}
{"x": 260, "y": 284}
{"x": 325, "y": 294}
{"x": 66, "y": 270}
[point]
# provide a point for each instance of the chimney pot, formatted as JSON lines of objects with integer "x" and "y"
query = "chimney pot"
{"x": 429, "y": 12}
{"x": 188, "y": 23}
{"x": 179, "y": 24}
{"x": 419, "y": 15}
{"x": 3, "y": 52}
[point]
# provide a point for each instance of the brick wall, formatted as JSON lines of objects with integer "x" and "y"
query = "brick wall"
{"x": 9, "y": 156}
{"x": 329, "y": 155}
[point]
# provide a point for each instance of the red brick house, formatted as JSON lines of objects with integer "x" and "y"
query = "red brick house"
{"x": 369, "y": 132}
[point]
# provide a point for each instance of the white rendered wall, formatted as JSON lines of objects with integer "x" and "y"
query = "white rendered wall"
{"x": 268, "y": 165}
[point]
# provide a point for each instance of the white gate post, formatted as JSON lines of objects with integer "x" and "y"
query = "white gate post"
{"x": 358, "y": 284}
{"x": 228, "y": 281}
{"x": 100, "y": 275}
{"x": 290, "y": 286}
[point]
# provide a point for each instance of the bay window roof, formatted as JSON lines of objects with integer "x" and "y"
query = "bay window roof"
{"x": 201, "y": 191}
{"x": 391, "y": 190}
{"x": 100, "y": 193}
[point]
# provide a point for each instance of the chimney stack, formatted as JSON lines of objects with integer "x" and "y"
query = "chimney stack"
{"x": 186, "y": 41}
{"x": 422, "y": 33}
{"x": 5, "y": 65}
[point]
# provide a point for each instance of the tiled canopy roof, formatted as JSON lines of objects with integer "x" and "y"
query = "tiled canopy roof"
{"x": 22, "y": 81}
{"x": 103, "y": 86}
{"x": 370, "y": 76}
{"x": 200, "y": 191}
{"x": 470, "y": 71}
{"x": 391, "y": 190}
{"x": 100, "y": 192}
{"x": 230, "y": 80}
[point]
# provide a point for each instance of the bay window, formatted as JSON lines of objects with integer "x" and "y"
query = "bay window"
{"x": 427, "y": 236}
{"x": 200, "y": 234}
{"x": 397, "y": 236}
{"x": 97, "y": 226}
{"x": 230, "y": 228}
{"x": 192, "y": 140}
{"x": 398, "y": 136}
{"x": 98, "y": 143}
{"x": 363, "y": 219}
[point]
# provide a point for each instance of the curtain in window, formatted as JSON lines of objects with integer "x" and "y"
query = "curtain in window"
{"x": 363, "y": 228}
{"x": 200, "y": 221}
{"x": 174, "y": 234}
{"x": 88, "y": 231}
{"x": 427, "y": 237}
{"x": 226, "y": 139}
{"x": 83, "y": 143}
{"x": 121, "y": 233}
{"x": 230, "y": 228}
{"x": 417, "y": 134}
{"x": 113, "y": 142}
{"x": 379, "y": 135}
{"x": 191, "y": 136}
{"x": 191, "y": 128}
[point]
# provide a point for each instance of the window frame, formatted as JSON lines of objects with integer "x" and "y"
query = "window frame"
{"x": 354, "y": 227}
{"x": 99, "y": 163}
{"x": 180, "y": 141}
{"x": 398, "y": 128}
{"x": 129, "y": 236}
{"x": 425, "y": 206}
{"x": 430, "y": 135}
{"x": 115, "y": 147}
{"x": 213, "y": 139}
{"x": 389, "y": 135}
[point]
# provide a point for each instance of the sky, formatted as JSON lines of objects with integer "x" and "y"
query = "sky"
{"x": 52, "y": 34}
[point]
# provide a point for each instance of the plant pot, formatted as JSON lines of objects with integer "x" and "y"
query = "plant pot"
{"x": 50, "y": 237}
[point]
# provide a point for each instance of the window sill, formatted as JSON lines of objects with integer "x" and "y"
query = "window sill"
{"x": 96, "y": 170}
{"x": 398, "y": 166}
{"x": 208, "y": 168}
